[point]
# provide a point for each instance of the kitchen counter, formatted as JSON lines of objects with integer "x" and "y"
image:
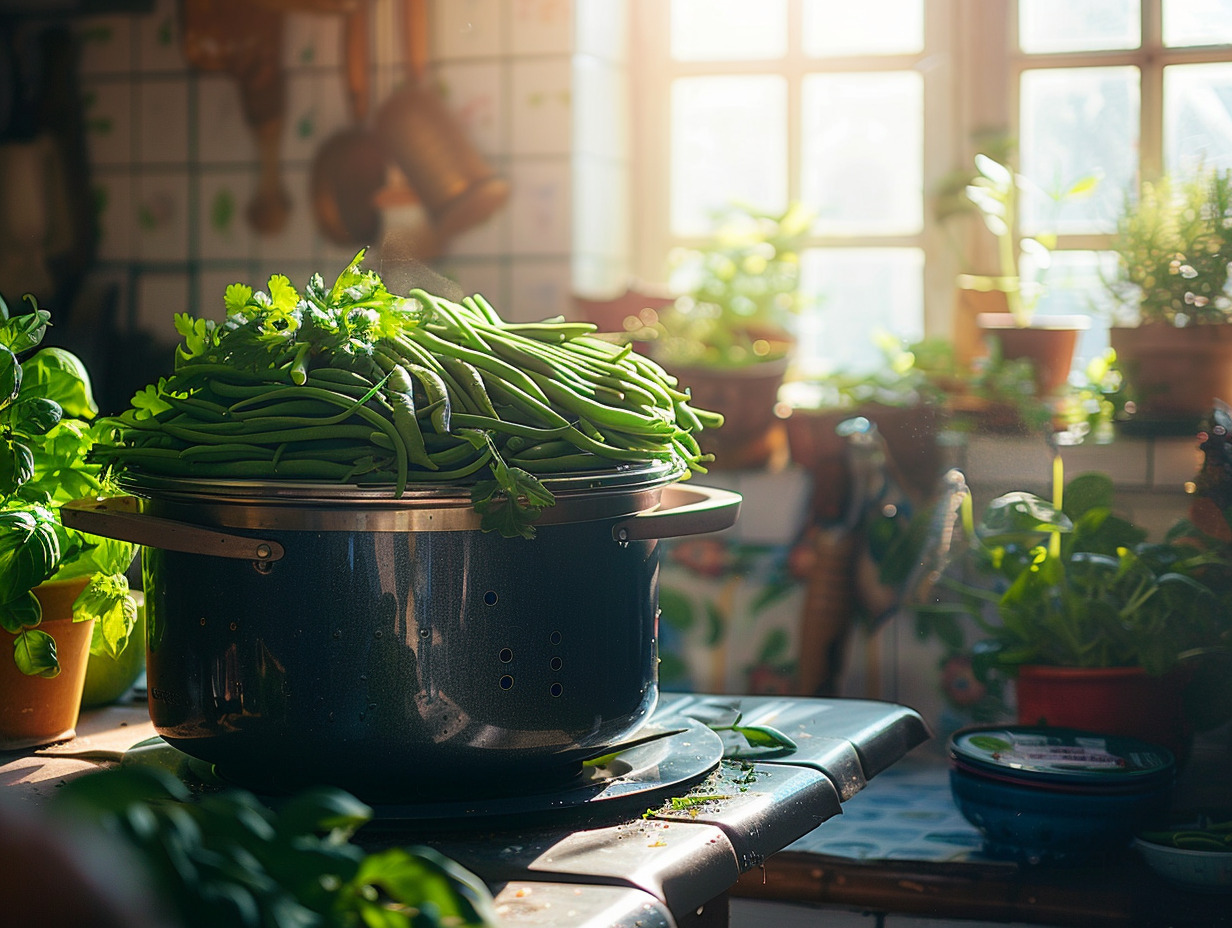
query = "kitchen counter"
{"x": 904, "y": 849}
{"x": 671, "y": 865}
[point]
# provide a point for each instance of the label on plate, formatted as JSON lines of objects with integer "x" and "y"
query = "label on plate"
{"x": 1061, "y": 752}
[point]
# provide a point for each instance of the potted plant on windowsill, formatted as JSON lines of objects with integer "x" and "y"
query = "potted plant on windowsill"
{"x": 1004, "y": 304}
{"x": 1173, "y": 245}
{"x": 62, "y": 593}
{"x": 729, "y": 333}
{"x": 1099, "y": 628}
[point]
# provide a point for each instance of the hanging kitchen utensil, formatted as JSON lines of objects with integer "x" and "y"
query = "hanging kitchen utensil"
{"x": 350, "y": 166}
{"x": 245, "y": 40}
{"x": 457, "y": 186}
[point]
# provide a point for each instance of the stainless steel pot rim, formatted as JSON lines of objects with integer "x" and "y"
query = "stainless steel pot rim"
{"x": 271, "y": 506}
{"x": 624, "y": 478}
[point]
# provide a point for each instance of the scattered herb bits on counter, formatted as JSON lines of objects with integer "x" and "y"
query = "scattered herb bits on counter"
{"x": 354, "y": 384}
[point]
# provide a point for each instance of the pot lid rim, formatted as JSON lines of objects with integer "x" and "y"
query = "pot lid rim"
{"x": 1061, "y": 755}
{"x": 622, "y": 477}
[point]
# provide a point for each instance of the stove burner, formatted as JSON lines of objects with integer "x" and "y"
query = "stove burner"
{"x": 638, "y": 777}
{"x": 642, "y": 775}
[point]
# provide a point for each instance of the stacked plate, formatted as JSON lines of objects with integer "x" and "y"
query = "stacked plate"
{"x": 1057, "y": 795}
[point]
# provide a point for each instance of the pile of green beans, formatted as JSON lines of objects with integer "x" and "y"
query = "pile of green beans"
{"x": 448, "y": 397}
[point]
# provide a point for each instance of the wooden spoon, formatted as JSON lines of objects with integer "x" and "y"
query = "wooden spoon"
{"x": 348, "y": 169}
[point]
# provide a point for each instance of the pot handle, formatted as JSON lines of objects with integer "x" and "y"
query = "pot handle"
{"x": 685, "y": 510}
{"x": 120, "y": 517}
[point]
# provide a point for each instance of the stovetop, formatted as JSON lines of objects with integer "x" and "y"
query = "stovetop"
{"x": 652, "y": 835}
{"x": 681, "y": 854}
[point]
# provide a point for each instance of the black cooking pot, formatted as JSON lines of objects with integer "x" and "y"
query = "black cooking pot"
{"x": 307, "y": 634}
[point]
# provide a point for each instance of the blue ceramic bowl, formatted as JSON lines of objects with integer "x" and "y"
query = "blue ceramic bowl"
{"x": 1033, "y": 825}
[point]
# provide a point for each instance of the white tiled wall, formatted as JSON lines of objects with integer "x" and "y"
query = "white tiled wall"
{"x": 175, "y": 166}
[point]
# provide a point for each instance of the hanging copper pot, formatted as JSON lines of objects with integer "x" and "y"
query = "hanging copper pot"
{"x": 457, "y": 186}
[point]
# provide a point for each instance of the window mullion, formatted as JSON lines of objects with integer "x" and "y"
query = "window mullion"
{"x": 1151, "y": 105}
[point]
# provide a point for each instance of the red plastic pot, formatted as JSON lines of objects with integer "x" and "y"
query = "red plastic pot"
{"x": 1110, "y": 700}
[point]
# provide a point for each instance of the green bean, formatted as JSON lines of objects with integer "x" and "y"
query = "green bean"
{"x": 267, "y": 433}
{"x": 484, "y": 362}
{"x": 467, "y": 377}
{"x": 608, "y": 415}
{"x": 341, "y": 376}
{"x": 457, "y": 322}
{"x": 225, "y": 451}
{"x": 482, "y": 309}
{"x": 198, "y": 407}
{"x": 408, "y": 428}
{"x": 511, "y": 428}
{"x": 544, "y": 449}
{"x": 561, "y": 463}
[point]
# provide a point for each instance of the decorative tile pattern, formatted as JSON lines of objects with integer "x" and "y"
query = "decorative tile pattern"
{"x": 106, "y": 45}
{"x": 222, "y": 197}
{"x": 161, "y": 214}
{"x": 910, "y": 815}
{"x": 541, "y": 107}
{"x": 541, "y": 27}
{"x": 108, "y": 106}
{"x": 113, "y": 197}
{"x": 474, "y": 94}
{"x": 158, "y": 38}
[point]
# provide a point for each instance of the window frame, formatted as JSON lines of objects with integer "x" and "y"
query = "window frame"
{"x": 972, "y": 66}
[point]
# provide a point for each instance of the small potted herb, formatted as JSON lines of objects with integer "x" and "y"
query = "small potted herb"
{"x": 1006, "y": 302}
{"x": 1173, "y": 244}
{"x": 1100, "y": 628}
{"x": 730, "y": 331}
{"x": 46, "y": 405}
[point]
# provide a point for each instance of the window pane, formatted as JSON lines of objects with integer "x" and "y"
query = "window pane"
{"x": 861, "y": 152}
{"x": 856, "y": 292}
{"x": 1076, "y": 122}
{"x": 874, "y": 27}
{"x": 1197, "y": 22}
{"x": 1198, "y": 117}
{"x": 729, "y": 142}
{"x": 728, "y": 30}
{"x": 1066, "y": 26}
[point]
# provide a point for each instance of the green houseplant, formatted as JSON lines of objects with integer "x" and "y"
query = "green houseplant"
{"x": 729, "y": 332}
{"x": 1173, "y": 244}
{"x": 46, "y": 405}
{"x": 1004, "y": 304}
{"x": 1067, "y": 585}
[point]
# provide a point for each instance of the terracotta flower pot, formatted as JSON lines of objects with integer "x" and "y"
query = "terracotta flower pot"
{"x": 41, "y": 710}
{"x": 1174, "y": 374}
{"x": 1048, "y": 343}
{"x": 1109, "y": 700}
{"x": 746, "y": 396}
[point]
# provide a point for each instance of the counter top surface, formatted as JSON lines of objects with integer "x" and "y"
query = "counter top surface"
{"x": 905, "y": 848}
{"x": 663, "y": 866}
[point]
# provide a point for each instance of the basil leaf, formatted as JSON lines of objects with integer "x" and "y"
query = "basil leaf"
{"x": 34, "y": 651}
{"x": 10, "y": 377}
{"x": 59, "y": 375}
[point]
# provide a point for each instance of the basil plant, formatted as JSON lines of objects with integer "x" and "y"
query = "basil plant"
{"x": 46, "y": 412}
{"x": 1075, "y": 585}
